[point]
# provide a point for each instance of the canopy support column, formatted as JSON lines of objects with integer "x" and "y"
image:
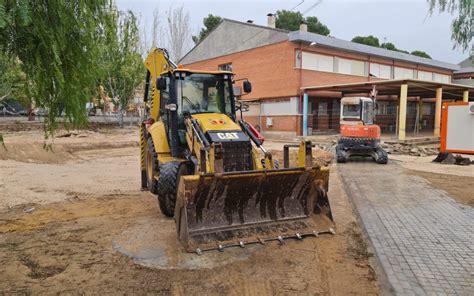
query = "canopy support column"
{"x": 305, "y": 114}
{"x": 437, "y": 119}
{"x": 403, "y": 112}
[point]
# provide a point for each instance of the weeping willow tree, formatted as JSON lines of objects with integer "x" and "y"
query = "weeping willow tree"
{"x": 462, "y": 26}
{"x": 60, "y": 45}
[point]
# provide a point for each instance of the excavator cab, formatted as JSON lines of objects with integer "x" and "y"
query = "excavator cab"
{"x": 357, "y": 110}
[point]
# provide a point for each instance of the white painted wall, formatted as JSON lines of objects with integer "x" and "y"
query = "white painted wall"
{"x": 280, "y": 107}
{"x": 460, "y": 128}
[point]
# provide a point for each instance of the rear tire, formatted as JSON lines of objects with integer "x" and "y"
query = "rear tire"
{"x": 167, "y": 188}
{"x": 382, "y": 156}
{"x": 151, "y": 166}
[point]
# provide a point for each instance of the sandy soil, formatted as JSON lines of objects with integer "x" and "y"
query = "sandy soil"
{"x": 425, "y": 164}
{"x": 458, "y": 187}
{"x": 86, "y": 165}
{"x": 62, "y": 214}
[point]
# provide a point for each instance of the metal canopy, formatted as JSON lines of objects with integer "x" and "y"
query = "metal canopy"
{"x": 416, "y": 88}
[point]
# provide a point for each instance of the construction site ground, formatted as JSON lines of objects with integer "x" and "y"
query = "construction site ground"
{"x": 75, "y": 221}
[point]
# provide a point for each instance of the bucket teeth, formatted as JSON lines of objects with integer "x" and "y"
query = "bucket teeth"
{"x": 332, "y": 231}
{"x": 198, "y": 251}
{"x": 298, "y": 236}
{"x": 241, "y": 244}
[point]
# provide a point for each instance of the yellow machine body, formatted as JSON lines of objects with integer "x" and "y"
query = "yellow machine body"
{"x": 222, "y": 186}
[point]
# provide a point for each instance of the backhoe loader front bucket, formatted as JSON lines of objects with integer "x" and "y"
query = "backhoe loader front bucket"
{"x": 215, "y": 211}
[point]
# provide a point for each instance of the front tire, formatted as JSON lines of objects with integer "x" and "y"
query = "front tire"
{"x": 167, "y": 187}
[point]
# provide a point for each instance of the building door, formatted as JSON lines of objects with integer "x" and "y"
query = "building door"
{"x": 326, "y": 114}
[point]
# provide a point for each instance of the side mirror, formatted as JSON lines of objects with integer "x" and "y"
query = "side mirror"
{"x": 247, "y": 86}
{"x": 161, "y": 83}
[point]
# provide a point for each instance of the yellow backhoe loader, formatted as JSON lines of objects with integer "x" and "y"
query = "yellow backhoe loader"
{"x": 210, "y": 170}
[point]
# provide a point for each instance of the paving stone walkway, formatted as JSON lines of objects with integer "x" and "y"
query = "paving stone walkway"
{"x": 422, "y": 238}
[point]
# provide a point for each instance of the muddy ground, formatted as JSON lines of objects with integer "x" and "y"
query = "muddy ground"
{"x": 74, "y": 221}
{"x": 458, "y": 187}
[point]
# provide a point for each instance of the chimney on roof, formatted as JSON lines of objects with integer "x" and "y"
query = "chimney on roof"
{"x": 249, "y": 21}
{"x": 271, "y": 20}
{"x": 304, "y": 26}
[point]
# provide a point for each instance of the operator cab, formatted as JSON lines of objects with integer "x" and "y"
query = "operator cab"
{"x": 185, "y": 93}
{"x": 357, "y": 110}
{"x": 193, "y": 93}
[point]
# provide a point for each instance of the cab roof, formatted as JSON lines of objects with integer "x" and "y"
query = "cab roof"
{"x": 200, "y": 71}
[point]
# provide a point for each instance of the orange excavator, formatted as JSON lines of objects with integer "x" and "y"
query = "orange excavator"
{"x": 359, "y": 135}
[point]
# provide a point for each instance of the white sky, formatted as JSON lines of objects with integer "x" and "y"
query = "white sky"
{"x": 405, "y": 23}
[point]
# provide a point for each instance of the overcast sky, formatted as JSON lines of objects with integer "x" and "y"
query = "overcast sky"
{"x": 406, "y": 23}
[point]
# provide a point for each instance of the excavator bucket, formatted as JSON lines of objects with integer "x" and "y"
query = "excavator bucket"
{"x": 215, "y": 211}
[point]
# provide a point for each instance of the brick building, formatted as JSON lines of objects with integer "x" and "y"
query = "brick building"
{"x": 279, "y": 63}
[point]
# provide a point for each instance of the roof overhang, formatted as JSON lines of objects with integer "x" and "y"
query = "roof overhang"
{"x": 331, "y": 42}
{"x": 416, "y": 88}
{"x": 465, "y": 70}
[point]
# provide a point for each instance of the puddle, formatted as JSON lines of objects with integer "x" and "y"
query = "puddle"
{"x": 153, "y": 243}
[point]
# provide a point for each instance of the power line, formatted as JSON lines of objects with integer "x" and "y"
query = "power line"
{"x": 312, "y": 6}
{"x": 297, "y": 5}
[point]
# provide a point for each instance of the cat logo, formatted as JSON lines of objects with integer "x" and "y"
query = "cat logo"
{"x": 228, "y": 136}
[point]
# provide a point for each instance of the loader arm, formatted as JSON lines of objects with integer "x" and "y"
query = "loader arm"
{"x": 156, "y": 63}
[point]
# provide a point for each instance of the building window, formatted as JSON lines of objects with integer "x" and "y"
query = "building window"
{"x": 382, "y": 107}
{"x": 428, "y": 109}
{"x": 323, "y": 108}
{"x": 298, "y": 59}
{"x": 350, "y": 67}
{"x": 380, "y": 71}
{"x": 424, "y": 75}
{"x": 318, "y": 62}
{"x": 280, "y": 107}
{"x": 225, "y": 67}
{"x": 403, "y": 73}
{"x": 441, "y": 78}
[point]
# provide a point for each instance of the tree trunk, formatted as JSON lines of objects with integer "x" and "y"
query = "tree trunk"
{"x": 120, "y": 117}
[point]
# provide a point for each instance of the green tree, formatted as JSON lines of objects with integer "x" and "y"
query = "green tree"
{"x": 58, "y": 45}
{"x": 462, "y": 26}
{"x": 290, "y": 20}
{"x": 388, "y": 45}
{"x": 421, "y": 54}
{"x": 315, "y": 26}
{"x": 391, "y": 46}
{"x": 122, "y": 66}
{"x": 210, "y": 23}
{"x": 367, "y": 40}
{"x": 13, "y": 81}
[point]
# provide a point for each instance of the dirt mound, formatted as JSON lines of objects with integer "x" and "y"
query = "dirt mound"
{"x": 31, "y": 147}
